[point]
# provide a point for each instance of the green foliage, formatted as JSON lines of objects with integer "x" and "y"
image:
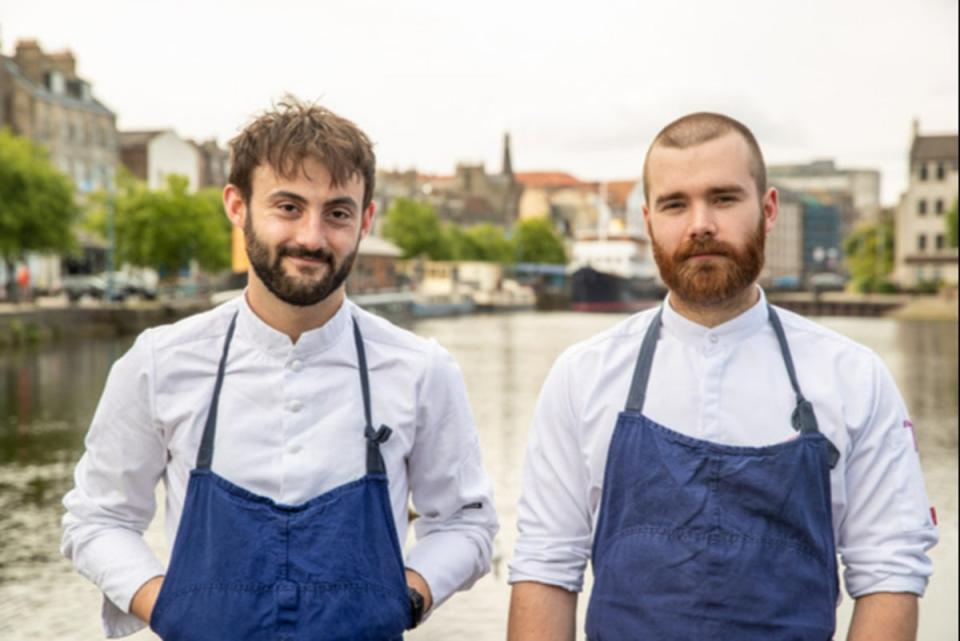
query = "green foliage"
{"x": 487, "y": 243}
{"x": 951, "y": 223}
{"x": 537, "y": 242}
{"x": 168, "y": 228}
{"x": 868, "y": 254}
{"x": 37, "y": 210}
{"x": 416, "y": 229}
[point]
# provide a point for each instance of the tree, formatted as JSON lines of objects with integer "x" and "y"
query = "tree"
{"x": 37, "y": 209}
{"x": 537, "y": 242}
{"x": 416, "y": 229}
{"x": 487, "y": 243}
{"x": 868, "y": 254}
{"x": 951, "y": 223}
{"x": 167, "y": 228}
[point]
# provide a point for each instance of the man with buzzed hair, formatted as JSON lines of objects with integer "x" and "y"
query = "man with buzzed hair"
{"x": 712, "y": 456}
{"x": 291, "y": 429}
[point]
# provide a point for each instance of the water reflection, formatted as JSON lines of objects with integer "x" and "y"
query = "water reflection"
{"x": 47, "y": 397}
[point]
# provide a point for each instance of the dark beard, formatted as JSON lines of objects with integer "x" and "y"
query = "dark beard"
{"x": 283, "y": 286}
{"x": 714, "y": 282}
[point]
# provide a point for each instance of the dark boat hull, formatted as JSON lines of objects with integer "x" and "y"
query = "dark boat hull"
{"x": 596, "y": 291}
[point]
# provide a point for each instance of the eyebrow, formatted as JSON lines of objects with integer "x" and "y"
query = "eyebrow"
{"x": 676, "y": 195}
{"x": 287, "y": 195}
{"x": 726, "y": 189}
{"x": 341, "y": 201}
{"x": 713, "y": 191}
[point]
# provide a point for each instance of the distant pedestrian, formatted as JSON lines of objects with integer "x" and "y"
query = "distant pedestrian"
{"x": 23, "y": 283}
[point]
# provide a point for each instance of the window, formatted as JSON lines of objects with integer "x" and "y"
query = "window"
{"x": 923, "y": 171}
{"x": 941, "y": 242}
{"x": 938, "y": 206}
{"x": 922, "y": 242}
{"x": 922, "y": 207}
{"x": 941, "y": 171}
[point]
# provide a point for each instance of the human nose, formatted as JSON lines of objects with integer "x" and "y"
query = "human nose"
{"x": 703, "y": 221}
{"x": 311, "y": 232}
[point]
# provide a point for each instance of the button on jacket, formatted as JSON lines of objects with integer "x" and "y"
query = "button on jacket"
{"x": 728, "y": 385}
{"x": 290, "y": 433}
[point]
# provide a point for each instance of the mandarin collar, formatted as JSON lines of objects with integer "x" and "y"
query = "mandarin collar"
{"x": 749, "y": 322}
{"x": 267, "y": 338}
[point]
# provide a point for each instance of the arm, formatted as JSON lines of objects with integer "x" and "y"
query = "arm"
{"x": 141, "y": 606}
{"x": 886, "y": 529}
{"x": 884, "y": 616}
{"x": 449, "y": 485}
{"x": 554, "y": 519}
{"x": 540, "y": 612}
{"x": 113, "y": 499}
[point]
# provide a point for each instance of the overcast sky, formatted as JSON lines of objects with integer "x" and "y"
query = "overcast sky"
{"x": 581, "y": 86}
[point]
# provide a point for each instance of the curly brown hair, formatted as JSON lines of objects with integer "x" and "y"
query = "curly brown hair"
{"x": 283, "y": 137}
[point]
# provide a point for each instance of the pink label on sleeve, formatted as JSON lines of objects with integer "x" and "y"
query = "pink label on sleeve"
{"x": 913, "y": 434}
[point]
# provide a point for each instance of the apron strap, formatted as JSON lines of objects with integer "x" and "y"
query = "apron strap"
{"x": 205, "y": 455}
{"x": 375, "y": 437}
{"x": 641, "y": 373}
{"x": 803, "y": 419}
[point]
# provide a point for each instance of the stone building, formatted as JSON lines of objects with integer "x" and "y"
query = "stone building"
{"x": 471, "y": 196}
{"x": 569, "y": 202}
{"x": 43, "y": 98}
{"x": 214, "y": 164}
{"x": 855, "y": 192}
{"x": 921, "y": 251}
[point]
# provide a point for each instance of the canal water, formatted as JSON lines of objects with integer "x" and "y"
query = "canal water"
{"x": 48, "y": 395}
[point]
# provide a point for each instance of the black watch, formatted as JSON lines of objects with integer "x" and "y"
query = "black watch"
{"x": 416, "y": 607}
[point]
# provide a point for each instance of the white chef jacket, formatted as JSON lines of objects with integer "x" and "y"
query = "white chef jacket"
{"x": 290, "y": 427}
{"x": 728, "y": 384}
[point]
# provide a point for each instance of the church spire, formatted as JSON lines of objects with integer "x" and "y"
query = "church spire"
{"x": 507, "y": 169}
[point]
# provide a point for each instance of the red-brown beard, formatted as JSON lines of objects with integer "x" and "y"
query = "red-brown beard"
{"x": 713, "y": 281}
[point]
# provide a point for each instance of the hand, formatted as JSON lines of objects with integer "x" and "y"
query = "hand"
{"x": 417, "y": 582}
{"x": 141, "y": 606}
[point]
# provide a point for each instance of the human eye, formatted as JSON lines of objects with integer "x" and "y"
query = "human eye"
{"x": 726, "y": 199}
{"x": 288, "y": 208}
{"x": 340, "y": 215}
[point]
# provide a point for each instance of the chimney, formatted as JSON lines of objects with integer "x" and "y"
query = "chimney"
{"x": 29, "y": 57}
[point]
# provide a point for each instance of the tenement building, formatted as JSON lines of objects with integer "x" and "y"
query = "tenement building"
{"x": 43, "y": 98}
{"x": 922, "y": 250}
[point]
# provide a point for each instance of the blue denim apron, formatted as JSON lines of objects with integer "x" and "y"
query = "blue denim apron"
{"x": 701, "y": 541}
{"x": 245, "y": 568}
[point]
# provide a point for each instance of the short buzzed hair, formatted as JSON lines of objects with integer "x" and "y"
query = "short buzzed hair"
{"x": 698, "y": 128}
{"x": 294, "y": 131}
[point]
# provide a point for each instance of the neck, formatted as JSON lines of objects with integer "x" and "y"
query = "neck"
{"x": 718, "y": 313}
{"x": 292, "y": 320}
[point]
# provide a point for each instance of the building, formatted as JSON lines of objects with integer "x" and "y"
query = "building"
{"x": 469, "y": 197}
{"x": 566, "y": 200}
{"x": 43, "y": 98}
{"x": 921, "y": 251}
{"x": 153, "y": 155}
{"x": 214, "y": 164}
{"x": 822, "y": 244}
{"x": 855, "y": 192}
{"x": 783, "y": 265}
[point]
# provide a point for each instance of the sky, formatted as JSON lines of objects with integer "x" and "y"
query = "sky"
{"x": 581, "y": 86}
